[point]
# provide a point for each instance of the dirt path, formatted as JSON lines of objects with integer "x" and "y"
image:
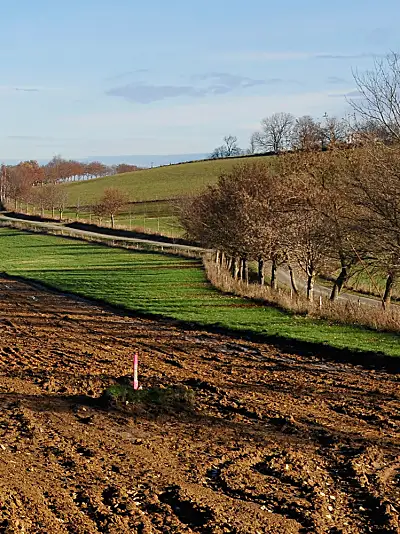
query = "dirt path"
{"x": 277, "y": 443}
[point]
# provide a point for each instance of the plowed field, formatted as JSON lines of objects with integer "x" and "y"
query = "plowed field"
{"x": 275, "y": 443}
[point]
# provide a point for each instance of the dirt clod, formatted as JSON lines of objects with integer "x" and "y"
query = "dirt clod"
{"x": 277, "y": 443}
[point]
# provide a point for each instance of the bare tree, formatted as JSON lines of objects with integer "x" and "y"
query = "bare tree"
{"x": 307, "y": 134}
{"x": 231, "y": 146}
{"x": 62, "y": 200}
{"x": 379, "y": 91}
{"x": 365, "y": 131}
{"x": 376, "y": 187}
{"x": 53, "y": 198}
{"x": 335, "y": 132}
{"x": 228, "y": 149}
{"x": 275, "y": 132}
{"x": 20, "y": 180}
{"x": 218, "y": 152}
{"x": 253, "y": 143}
{"x": 307, "y": 234}
{"x": 110, "y": 204}
{"x": 241, "y": 217}
{"x": 40, "y": 199}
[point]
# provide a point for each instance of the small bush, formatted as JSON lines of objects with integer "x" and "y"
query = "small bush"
{"x": 165, "y": 399}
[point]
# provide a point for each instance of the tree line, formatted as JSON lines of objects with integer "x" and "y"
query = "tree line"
{"x": 19, "y": 183}
{"x": 284, "y": 132}
{"x": 375, "y": 115}
{"x": 315, "y": 206}
{"x": 335, "y": 212}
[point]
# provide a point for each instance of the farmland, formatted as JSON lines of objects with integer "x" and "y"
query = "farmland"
{"x": 275, "y": 441}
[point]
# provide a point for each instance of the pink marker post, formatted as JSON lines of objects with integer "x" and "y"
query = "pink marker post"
{"x": 135, "y": 371}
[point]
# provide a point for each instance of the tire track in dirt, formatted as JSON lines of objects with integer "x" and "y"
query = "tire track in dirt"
{"x": 277, "y": 442}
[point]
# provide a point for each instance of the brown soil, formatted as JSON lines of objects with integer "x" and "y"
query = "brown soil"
{"x": 276, "y": 443}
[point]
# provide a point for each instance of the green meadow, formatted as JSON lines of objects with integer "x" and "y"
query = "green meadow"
{"x": 167, "y": 286}
{"x": 159, "y": 183}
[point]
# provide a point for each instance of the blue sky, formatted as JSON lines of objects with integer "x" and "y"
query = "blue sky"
{"x": 115, "y": 77}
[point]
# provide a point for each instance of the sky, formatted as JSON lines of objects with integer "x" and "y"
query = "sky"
{"x": 83, "y": 78}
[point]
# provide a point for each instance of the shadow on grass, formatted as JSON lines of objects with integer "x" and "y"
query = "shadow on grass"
{"x": 139, "y": 246}
{"x": 366, "y": 359}
{"x": 131, "y": 234}
{"x": 135, "y": 234}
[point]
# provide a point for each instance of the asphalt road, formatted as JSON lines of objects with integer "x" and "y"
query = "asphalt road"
{"x": 323, "y": 291}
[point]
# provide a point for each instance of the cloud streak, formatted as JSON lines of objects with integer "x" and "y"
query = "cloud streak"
{"x": 350, "y": 94}
{"x": 336, "y": 80}
{"x": 29, "y": 138}
{"x": 214, "y": 83}
{"x": 298, "y": 56}
{"x": 26, "y": 89}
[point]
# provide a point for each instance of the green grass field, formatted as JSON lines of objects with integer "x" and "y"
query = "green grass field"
{"x": 144, "y": 187}
{"x": 154, "y": 217}
{"x": 153, "y": 184}
{"x": 372, "y": 283}
{"x": 165, "y": 285}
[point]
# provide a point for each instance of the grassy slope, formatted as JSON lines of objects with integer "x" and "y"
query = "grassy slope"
{"x": 170, "y": 286}
{"x": 152, "y": 184}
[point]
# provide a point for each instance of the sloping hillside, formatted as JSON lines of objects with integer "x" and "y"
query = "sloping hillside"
{"x": 153, "y": 184}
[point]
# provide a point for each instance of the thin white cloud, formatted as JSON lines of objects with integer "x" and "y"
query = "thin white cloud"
{"x": 271, "y": 56}
{"x": 213, "y": 117}
{"x": 12, "y": 89}
{"x": 348, "y": 94}
{"x": 216, "y": 83}
{"x": 260, "y": 55}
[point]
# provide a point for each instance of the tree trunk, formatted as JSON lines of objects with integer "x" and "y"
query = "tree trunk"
{"x": 217, "y": 257}
{"x": 42, "y": 211}
{"x": 339, "y": 283}
{"x": 310, "y": 285}
{"x": 222, "y": 259}
{"x": 61, "y": 214}
{"x": 261, "y": 272}
{"x": 235, "y": 267}
{"x": 387, "y": 297}
{"x": 293, "y": 280}
{"x": 273, "y": 275}
{"x": 245, "y": 270}
{"x": 112, "y": 221}
{"x": 52, "y": 212}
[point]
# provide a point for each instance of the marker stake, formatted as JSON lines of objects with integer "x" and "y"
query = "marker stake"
{"x": 135, "y": 371}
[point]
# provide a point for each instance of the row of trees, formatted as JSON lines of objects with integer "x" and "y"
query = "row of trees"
{"x": 54, "y": 198}
{"x": 283, "y": 131}
{"x": 323, "y": 212}
{"x": 18, "y": 181}
{"x": 376, "y": 116}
